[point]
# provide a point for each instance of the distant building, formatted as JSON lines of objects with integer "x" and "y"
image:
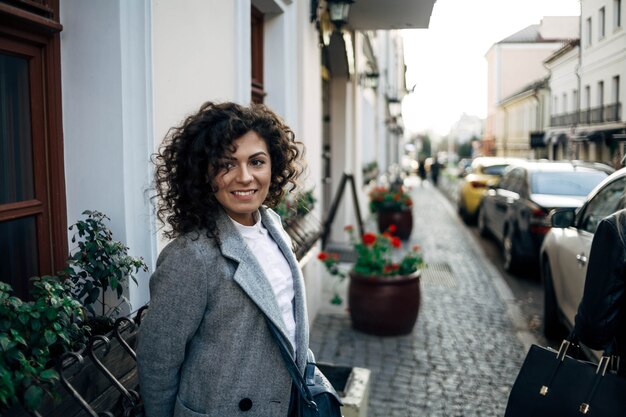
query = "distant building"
{"x": 588, "y": 116}
{"x": 515, "y": 63}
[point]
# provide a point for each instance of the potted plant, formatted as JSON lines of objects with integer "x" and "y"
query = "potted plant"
{"x": 98, "y": 264}
{"x": 384, "y": 287}
{"x": 392, "y": 205}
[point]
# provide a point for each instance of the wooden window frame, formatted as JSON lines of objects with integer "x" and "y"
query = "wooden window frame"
{"x": 31, "y": 29}
{"x": 256, "y": 30}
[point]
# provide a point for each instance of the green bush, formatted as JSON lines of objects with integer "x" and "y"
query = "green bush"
{"x": 31, "y": 335}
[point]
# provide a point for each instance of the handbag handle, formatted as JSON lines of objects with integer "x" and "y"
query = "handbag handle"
{"x": 292, "y": 368}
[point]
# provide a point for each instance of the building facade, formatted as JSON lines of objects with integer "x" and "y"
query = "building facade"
{"x": 513, "y": 64}
{"x": 95, "y": 86}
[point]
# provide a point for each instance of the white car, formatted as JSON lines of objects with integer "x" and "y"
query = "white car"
{"x": 565, "y": 251}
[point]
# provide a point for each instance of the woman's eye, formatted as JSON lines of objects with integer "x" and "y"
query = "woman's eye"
{"x": 257, "y": 162}
{"x": 228, "y": 165}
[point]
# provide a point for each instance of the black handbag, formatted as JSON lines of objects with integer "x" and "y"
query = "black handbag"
{"x": 316, "y": 396}
{"x": 554, "y": 384}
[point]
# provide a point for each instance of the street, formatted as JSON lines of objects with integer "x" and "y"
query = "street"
{"x": 471, "y": 336}
{"x": 526, "y": 285}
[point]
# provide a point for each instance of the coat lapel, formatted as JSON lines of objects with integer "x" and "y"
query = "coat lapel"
{"x": 300, "y": 312}
{"x": 249, "y": 274}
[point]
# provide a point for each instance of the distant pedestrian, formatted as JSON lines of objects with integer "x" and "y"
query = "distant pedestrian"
{"x": 205, "y": 347}
{"x": 601, "y": 316}
{"x": 421, "y": 170}
{"x": 434, "y": 171}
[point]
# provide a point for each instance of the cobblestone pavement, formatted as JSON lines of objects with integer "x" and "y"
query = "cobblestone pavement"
{"x": 464, "y": 353}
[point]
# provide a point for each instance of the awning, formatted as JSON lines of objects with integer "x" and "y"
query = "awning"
{"x": 556, "y": 137}
{"x": 390, "y": 14}
{"x": 601, "y": 133}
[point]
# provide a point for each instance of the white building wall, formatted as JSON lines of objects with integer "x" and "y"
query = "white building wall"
{"x": 199, "y": 54}
{"x": 107, "y": 120}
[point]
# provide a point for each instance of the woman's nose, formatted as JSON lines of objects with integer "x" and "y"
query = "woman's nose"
{"x": 244, "y": 174}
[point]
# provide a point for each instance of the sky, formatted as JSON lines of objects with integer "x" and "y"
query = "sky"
{"x": 446, "y": 62}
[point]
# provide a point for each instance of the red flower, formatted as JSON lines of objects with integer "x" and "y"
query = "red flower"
{"x": 395, "y": 267}
{"x": 387, "y": 269}
{"x": 369, "y": 239}
{"x": 322, "y": 256}
{"x": 395, "y": 242}
{"x": 392, "y": 228}
{"x": 348, "y": 228}
{"x": 416, "y": 248}
{"x": 397, "y": 197}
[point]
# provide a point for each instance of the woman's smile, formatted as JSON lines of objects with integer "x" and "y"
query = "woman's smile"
{"x": 243, "y": 180}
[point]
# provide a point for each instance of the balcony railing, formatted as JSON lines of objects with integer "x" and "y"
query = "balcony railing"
{"x": 608, "y": 113}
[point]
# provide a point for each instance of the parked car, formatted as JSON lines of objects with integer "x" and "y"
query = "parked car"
{"x": 483, "y": 172}
{"x": 565, "y": 251}
{"x": 515, "y": 212}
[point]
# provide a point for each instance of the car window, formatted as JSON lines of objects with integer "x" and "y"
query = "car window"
{"x": 578, "y": 183}
{"x": 605, "y": 202}
{"x": 494, "y": 169}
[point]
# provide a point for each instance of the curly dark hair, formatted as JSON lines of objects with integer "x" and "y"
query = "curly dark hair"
{"x": 189, "y": 158}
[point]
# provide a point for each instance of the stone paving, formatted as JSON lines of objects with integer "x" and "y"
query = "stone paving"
{"x": 464, "y": 353}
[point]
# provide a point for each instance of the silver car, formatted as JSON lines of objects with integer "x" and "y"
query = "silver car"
{"x": 565, "y": 251}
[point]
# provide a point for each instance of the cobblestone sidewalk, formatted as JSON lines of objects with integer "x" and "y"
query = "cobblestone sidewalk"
{"x": 464, "y": 353}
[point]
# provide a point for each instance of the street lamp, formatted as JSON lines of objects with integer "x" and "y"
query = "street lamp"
{"x": 395, "y": 106}
{"x": 369, "y": 80}
{"x": 338, "y": 11}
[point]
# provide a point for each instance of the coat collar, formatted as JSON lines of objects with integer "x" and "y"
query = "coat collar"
{"x": 250, "y": 277}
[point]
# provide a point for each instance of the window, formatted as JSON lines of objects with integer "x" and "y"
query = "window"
{"x": 617, "y": 14}
{"x": 615, "y": 89}
{"x": 588, "y": 31}
{"x": 600, "y": 93}
{"x": 564, "y": 103}
{"x": 33, "y": 235}
{"x": 556, "y": 105}
{"x": 601, "y": 23}
{"x": 258, "y": 91}
{"x": 577, "y": 183}
{"x": 587, "y": 97}
{"x": 574, "y": 100}
{"x": 607, "y": 201}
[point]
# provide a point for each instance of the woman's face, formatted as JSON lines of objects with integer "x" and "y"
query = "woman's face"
{"x": 243, "y": 178}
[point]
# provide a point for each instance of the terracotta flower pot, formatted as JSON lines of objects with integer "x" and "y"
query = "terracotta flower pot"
{"x": 403, "y": 220}
{"x": 384, "y": 306}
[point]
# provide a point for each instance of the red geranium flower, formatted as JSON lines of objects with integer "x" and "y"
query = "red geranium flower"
{"x": 395, "y": 242}
{"x": 369, "y": 239}
{"x": 392, "y": 228}
{"x": 322, "y": 256}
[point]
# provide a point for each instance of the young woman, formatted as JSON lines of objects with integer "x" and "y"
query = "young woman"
{"x": 204, "y": 347}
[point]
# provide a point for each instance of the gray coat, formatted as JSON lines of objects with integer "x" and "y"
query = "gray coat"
{"x": 204, "y": 346}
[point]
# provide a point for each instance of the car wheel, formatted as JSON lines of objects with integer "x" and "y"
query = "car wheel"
{"x": 482, "y": 222}
{"x": 552, "y": 327}
{"x": 511, "y": 258}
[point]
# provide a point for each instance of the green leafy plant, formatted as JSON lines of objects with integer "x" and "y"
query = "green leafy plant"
{"x": 99, "y": 263}
{"x": 393, "y": 199}
{"x": 31, "y": 335}
{"x": 295, "y": 206}
{"x": 377, "y": 255}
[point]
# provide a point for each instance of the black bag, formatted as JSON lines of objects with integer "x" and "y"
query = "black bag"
{"x": 553, "y": 384}
{"x": 316, "y": 396}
